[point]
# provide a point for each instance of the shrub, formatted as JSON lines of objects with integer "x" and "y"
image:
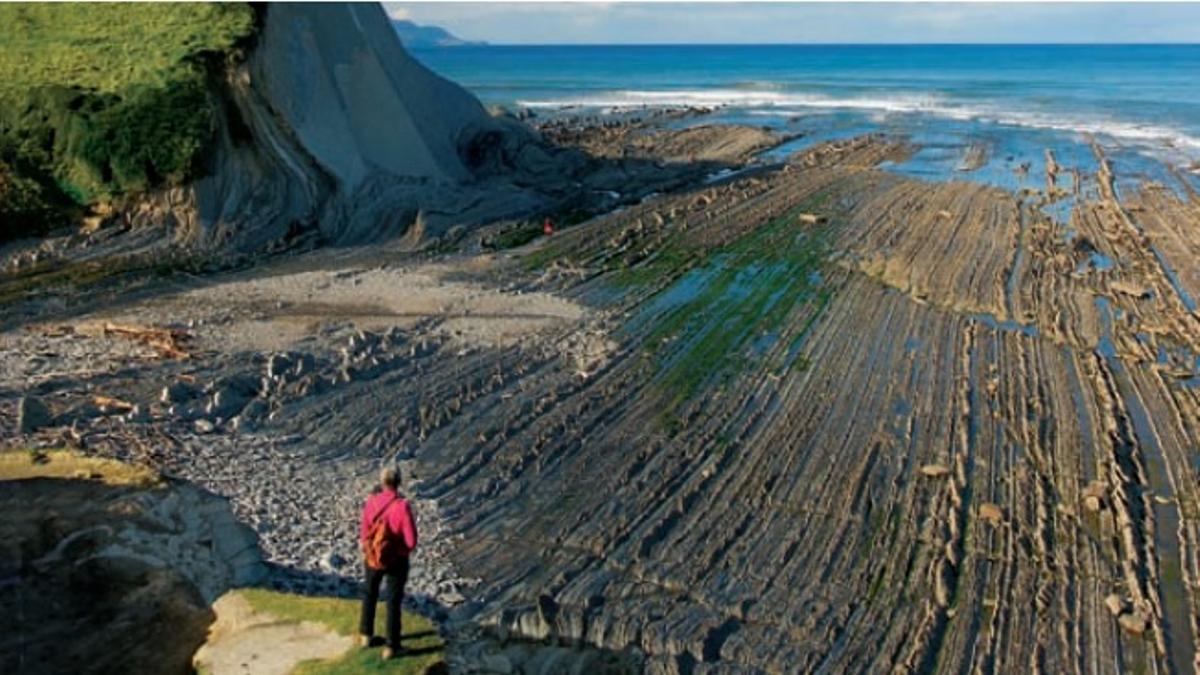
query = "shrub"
{"x": 26, "y": 205}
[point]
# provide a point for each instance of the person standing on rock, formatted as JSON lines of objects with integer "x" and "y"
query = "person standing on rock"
{"x": 388, "y": 535}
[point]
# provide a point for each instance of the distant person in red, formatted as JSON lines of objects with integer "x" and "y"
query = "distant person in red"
{"x": 388, "y": 536}
{"x": 548, "y": 227}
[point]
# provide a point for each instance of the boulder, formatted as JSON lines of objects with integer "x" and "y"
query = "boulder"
{"x": 331, "y": 561}
{"x": 231, "y": 394}
{"x": 935, "y": 470}
{"x": 1094, "y": 496}
{"x": 1134, "y": 622}
{"x": 226, "y": 403}
{"x": 991, "y": 513}
{"x": 304, "y": 363}
{"x": 1115, "y": 604}
{"x": 278, "y": 365}
{"x": 451, "y": 598}
{"x": 244, "y": 384}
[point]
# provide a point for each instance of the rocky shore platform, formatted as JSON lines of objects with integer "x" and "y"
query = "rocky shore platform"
{"x": 811, "y": 416}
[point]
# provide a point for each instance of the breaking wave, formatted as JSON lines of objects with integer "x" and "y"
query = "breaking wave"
{"x": 757, "y": 99}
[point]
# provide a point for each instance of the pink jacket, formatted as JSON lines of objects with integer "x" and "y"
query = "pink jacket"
{"x": 398, "y": 517}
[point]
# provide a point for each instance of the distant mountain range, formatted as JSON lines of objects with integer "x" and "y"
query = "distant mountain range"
{"x": 414, "y": 35}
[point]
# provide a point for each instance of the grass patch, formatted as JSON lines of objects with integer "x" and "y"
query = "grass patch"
{"x": 109, "y": 47}
{"x": 669, "y": 261}
{"x": 102, "y": 100}
{"x": 517, "y": 236}
{"x": 29, "y": 464}
{"x": 548, "y": 253}
{"x": 341, "y": 616}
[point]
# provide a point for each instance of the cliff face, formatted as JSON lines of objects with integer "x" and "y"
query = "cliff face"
{"x": 115, "y": 572}
{"x": 337, "y": 75}
{"x": 330, "y": 127}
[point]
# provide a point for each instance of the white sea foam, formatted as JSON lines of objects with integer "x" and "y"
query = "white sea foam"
{"x": 760, "y": 101}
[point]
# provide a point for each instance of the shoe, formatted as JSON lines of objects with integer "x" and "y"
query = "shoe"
{"x": 366, "y": 641}
{"x": 389, "y": 653}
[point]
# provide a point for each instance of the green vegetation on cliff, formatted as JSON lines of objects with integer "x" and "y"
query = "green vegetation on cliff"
{"x": 103, "y": 100}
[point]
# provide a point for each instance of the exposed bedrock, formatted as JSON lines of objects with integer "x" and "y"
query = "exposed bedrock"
{"x": 328, "y": 127}
{"x": 850, "y": 422}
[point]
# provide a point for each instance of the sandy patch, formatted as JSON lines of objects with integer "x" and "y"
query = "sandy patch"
{"x": 275, "y": 312}
{"x": 243, "y": 640}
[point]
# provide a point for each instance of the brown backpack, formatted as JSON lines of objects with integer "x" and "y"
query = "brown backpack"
{"x": 382, "y": 550}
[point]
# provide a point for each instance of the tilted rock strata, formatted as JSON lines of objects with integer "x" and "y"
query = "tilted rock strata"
{"x": 817, "y": 416}
{"x": 788, "y": 518}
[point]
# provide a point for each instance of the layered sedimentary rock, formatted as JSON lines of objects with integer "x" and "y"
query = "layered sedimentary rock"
{"x": 328, "y": 126}
{"x": 818, "y": 417}
{"x": 327, "y": 132}
{"x": 850, "y": 422}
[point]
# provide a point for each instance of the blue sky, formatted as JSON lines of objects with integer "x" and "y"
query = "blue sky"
{"x": 650, "y": 23}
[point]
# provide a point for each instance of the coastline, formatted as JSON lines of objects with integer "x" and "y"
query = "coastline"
{"x": 1134, "y": 99}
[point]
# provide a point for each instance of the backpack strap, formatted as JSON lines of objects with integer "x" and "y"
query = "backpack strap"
{"x": 395, "y": 498}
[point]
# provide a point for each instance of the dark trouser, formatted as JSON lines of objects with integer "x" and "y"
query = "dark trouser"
{"x": 397, "y": 578}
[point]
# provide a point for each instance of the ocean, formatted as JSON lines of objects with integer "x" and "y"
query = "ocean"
{"x": 1140, "y": 103}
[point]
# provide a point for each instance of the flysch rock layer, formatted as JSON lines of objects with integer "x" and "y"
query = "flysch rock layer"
{"x": 959, "y": 445}
{"x": 329, "y": 129}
